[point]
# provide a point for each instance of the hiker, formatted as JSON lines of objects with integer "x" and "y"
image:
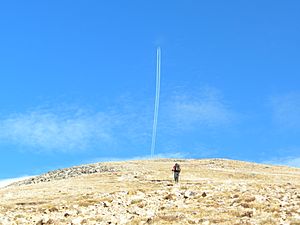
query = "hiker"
{"x": 176, "y": 169}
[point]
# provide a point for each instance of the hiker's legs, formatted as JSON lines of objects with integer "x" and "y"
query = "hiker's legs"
{"x": 176, "y": 176}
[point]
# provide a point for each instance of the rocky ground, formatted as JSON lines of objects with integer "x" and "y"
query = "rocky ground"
{"x": 66, "y": 173}
{"x": 213, "y": 191}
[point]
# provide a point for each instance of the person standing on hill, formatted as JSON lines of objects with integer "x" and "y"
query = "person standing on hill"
{"x": 176, "y": 169}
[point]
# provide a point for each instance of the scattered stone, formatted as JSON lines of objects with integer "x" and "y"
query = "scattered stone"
{"x": 249, "y": 199}
{"x": 247, "y": 214}
{"x": 189, "y": 194}
{"x": 66, "y": 173}
{"x": 170, "y": 197}
{"x": 77, "y": 221}
{"x": 245, "y": 205}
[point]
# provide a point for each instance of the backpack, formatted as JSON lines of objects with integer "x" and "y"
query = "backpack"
{"x": 176, "y": 168}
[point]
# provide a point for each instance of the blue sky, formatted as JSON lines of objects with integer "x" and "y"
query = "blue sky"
{"x": 77, "y": 81}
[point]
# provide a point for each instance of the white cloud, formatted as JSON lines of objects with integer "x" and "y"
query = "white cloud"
{"x": 5, "y": 182}
{"x": 64, "y": 131}
{"x": 127, "y": 125}
{"x": 204, "y": 108}
{"x": 286, "y": 110}
{"x": 170, "y": 155}
{"x": 286, "y": 161}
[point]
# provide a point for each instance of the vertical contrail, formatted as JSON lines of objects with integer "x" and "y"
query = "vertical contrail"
{"x": 156, "y": 101}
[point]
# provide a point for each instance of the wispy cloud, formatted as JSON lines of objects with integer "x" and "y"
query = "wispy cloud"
{"x": 205, "y": 108}
{"x": 285, "y": 161}
{"x": 170, "y": 155}
{"x": 47, "y": 129}
{"x": 5, "y": 182}
{"x": 126, "y": 125}
{"x": 286, "y": 110}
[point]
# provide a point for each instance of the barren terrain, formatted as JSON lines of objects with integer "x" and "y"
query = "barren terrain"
{"x": 210, "y": 191}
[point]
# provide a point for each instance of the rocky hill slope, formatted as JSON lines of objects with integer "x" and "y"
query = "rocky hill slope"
{"x": 212, "y": 191}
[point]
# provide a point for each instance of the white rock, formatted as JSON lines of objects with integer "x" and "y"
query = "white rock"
{"x": 189, "y": 194}
{"x": 76, "y": 221}
{"x": 150, "y": 213}
{"x": 4, "y": 220}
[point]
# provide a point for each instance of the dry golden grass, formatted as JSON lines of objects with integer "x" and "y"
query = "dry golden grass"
{"x": 226, "y": 192}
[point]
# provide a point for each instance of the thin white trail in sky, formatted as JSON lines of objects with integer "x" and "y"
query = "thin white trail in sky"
{"x": 156, "y": 101}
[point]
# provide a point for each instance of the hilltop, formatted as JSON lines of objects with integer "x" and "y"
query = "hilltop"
{"x": 211, "y": 191}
